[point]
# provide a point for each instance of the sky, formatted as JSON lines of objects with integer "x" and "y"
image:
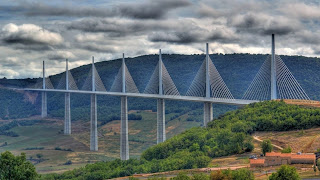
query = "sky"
{"x": 35, "y": 30}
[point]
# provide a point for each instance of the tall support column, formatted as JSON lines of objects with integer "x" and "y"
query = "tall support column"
{"x": 207, "y": 107}
{"x": 273, "y": 72}
{"x": 124, "y": 141}
{"x": 44, "y": 111}
{"x": 161, "y": 116}
{"x": 93, "y": 124}
{"x": 67, "y": 113}
{"x": 44, "y": 105}
{"x": 161, "y": 125}
{"x": 93, "y": 113}
{"x": 207, "y": 113}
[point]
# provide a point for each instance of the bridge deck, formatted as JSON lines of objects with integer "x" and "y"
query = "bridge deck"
{"x": 154, "y": 96}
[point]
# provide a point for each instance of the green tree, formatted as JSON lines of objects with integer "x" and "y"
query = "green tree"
{"x": 133, "y": 178}
{"x": 219, "y": 175}
{"x": 286, "y": 150}
{"x": 181, "y": 176}
{"x": 314, "y": 169}
{"x": 16, "y": 167}
{"x": 199, "y": 176}
{"x": 285, "y": 173}
{"x": 242, "y": 174}
{"x": 318, "y": 164}
{"x": 266, "y": 146}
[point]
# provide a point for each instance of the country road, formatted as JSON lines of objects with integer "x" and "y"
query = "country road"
{"x": 257, "y": 138}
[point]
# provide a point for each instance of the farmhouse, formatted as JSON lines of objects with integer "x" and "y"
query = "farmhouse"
{"x": 276, "y": 159}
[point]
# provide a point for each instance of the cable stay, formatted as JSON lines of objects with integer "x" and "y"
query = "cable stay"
{"x": 169, "y": 88}
{"x": 62, "y": 83}
{"x": 99, "y": 86}
{"x": 218, "y": 88}
{"x": 287, "y": 86}
{"x": 130, "y": 85}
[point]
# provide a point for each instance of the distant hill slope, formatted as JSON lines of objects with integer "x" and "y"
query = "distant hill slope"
{"x": 229, "y": 134}
{"x": 237, "y": 70}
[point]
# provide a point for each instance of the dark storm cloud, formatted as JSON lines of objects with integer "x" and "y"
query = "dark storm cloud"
{"x": 175, "y": 37}
{"x": 263, "y": 24}
{"x": 147, "y": 10}
{"x": 193, "y": 34}
{"x": 60, "y": 55}
{"x": 97, "y": 48}
{"x": 115, "y": 27}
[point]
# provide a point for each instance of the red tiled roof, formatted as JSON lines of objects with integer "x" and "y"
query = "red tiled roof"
{"x": 273, "y": 154}
{"x": 286, "y": 155}
{"x": 256, "y": 161}
{"x": 303, "y": 156}
{"x": 293, "y": 156}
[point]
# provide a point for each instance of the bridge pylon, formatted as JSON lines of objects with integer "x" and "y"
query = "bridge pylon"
{"x": 161, "y": 116}
{"x": 208, "y": 84}
{"x": 67, "y": 112}
{"x": 44, "y": 111}
{"x": 161, "y": 84}
{"x": 207, "y": 107}
{"x": 124, "y": 136}
{"x": 93, "y": 113}
{"x": 67, "y": 83}
{"x": 274, "y": 81}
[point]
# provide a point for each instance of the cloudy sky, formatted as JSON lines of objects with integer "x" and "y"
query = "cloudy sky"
{"x": 36, "y": 30}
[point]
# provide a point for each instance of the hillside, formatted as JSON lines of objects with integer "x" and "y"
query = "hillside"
{"x": 38, "y": 136}
{"x": 227, "y": 135}
{"x": 237, "y": 70}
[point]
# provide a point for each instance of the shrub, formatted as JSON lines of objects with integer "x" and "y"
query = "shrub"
{"x": 286, "y": 150}
{"x": 266, "y": 146}
{"x": 285, "y": 172}
{"x": 16, "y": 167}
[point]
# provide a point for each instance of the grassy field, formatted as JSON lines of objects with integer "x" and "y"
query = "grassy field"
{"x": 49, "y": 135}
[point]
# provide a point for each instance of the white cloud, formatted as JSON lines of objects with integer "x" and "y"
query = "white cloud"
{"x": 61, "y": 55}
{"x": 29, "y": 34}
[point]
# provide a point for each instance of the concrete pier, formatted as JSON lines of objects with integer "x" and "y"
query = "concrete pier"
{"x": 93, "y": 124}
{"x": 67, "y": 115}
{"x": 44, "y": 112}
{"x": 161, "y": 122}
{"x": 124, "y": 141}
{"x": 207, "y": 108}
{"x": 93, "y": 114}
{"x": 161, "y": 116}
{"x": 273, "y": 71}
{"x": 67, "y": 112}
{"x": 207, "y": 113}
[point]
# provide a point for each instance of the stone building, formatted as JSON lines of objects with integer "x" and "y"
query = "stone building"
{"x": 276, "y": 159}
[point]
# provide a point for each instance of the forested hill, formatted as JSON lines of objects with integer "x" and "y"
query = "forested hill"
{"x": 229, "y": 134}
{"x": 237, "y": 70}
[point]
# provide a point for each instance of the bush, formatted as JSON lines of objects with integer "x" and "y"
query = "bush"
{"x": 39, "y": 156}
{"x": 286, "y": 150}
{"x": 242, "y": 174}
{"x": 200, "y": 176}
{"x": 69, "y": 162}
{"x": 16, "y": 167}
{"x": 181, "y": 176}
{"x": 220, "y": 175}
{"x": 285, "y": 172}
{"x": 266, "y": 146}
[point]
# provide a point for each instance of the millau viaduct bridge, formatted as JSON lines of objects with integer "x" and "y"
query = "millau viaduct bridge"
{"x": 273, "y": 81}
